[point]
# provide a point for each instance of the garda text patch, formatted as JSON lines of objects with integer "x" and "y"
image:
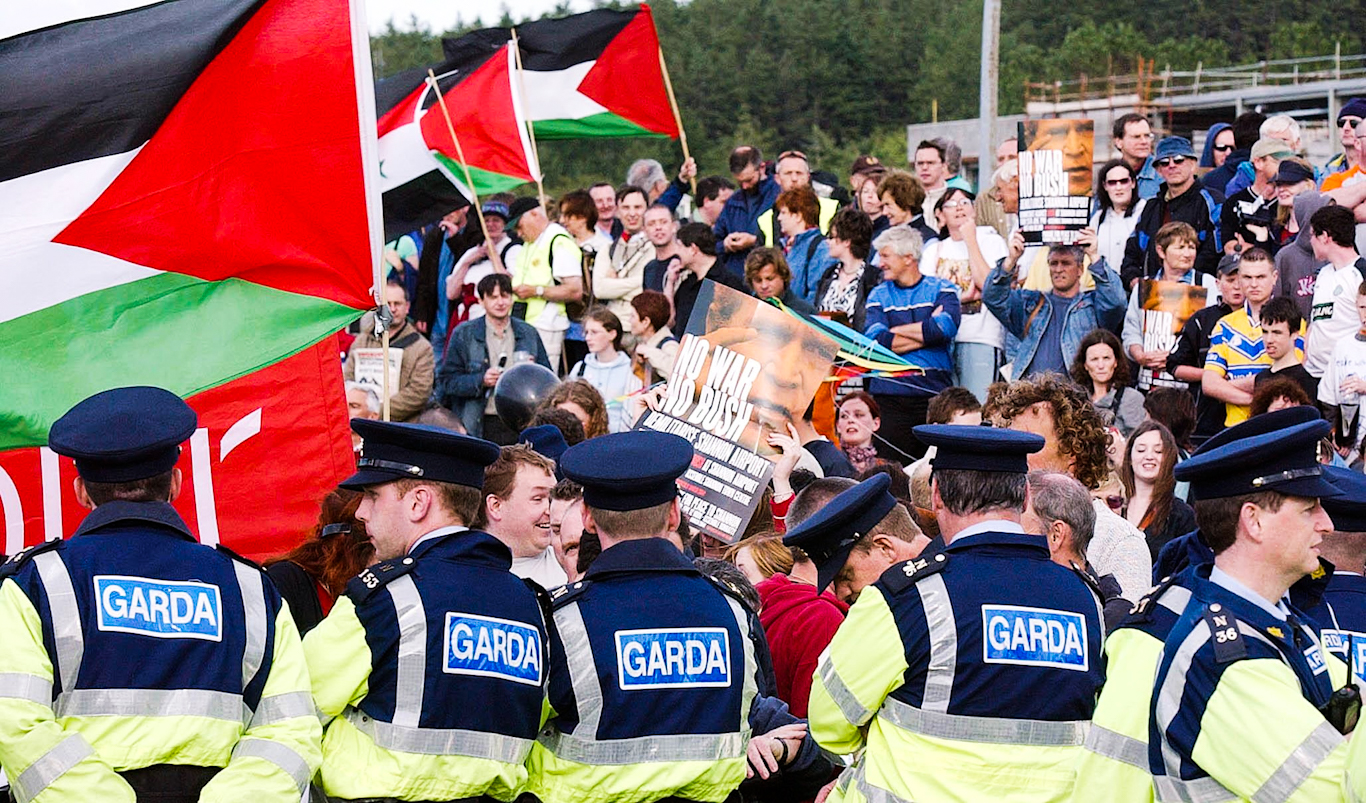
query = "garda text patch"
{"x": 1345, "y": 643}
{"x": 1034, "y": 637}
{"x": 159, "y": 608}
{"x": 681, "y": 658}
{"x": 496, "y": 648}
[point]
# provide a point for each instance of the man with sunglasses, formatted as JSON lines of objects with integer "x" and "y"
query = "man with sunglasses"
{"x": 1349, "y": 118}
{"x": 1351, "y": 171}
{"x": 1182, "y": 197}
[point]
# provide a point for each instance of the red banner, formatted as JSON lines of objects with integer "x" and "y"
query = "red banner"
{"x": 269, "y": 446}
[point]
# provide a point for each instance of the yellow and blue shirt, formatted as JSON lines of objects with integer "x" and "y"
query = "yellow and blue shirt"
{"x": 1236, "y": 351}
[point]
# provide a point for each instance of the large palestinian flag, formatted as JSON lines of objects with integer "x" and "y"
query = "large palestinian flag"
{"x": 420, "y": 172}
{"x": 183, "y": 202}
{"x": 595, "y": 74}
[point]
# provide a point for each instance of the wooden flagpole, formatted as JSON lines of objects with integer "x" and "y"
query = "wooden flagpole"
{"x": 678, "y": 116}
{"x": 469, "y": 180}
{"x": 530, "y": 131}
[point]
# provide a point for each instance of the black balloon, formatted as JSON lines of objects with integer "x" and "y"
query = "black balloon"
{"x": 520, "y": 390}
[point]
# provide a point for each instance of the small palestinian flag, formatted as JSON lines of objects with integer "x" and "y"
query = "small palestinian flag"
{"x": 596, "y": 74}
{"x": 183, "y": 194}
{"x": 420, "y": 173}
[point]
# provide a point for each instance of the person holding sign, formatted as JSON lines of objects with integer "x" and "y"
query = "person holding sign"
{"x": 1160, "y": 305}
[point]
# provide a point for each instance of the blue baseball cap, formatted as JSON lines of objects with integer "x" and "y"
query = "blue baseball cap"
{"x": 831, "y": 533}
{"x": 1173, "y": 146}
{"x": 392, "y": 451}
{"x": 124, "y": 434}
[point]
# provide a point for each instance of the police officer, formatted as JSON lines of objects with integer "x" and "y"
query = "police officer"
{"x": 653, "y": 673}
{"x": 1244, "y": 703}
{"x": 1114, "y": 766}
{"x": 138, "y": 664}
{"x": 430, "y": 672}
{"x": 1341, "y": 614}
{"x": 968, "y": 675}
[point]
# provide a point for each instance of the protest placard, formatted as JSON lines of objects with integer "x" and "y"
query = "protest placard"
{"x": 370, "y": 368}
{"x": 1166, "y": 306}
{"x": 1055, "y": 179}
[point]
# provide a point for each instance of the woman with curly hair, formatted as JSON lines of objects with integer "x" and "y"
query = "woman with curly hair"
{"x": 1149, "y": 460}
{"x": 579, "y": 397}
{"x": 1102, "y": 371}
{"x": 1074, "y": 443}
{"x": 313, "y": 574}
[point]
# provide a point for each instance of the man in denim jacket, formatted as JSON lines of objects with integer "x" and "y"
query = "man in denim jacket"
{"x": 1049, "y": 326}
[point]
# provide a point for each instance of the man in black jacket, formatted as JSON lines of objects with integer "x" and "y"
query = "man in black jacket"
{"x": 1182, "y": 197}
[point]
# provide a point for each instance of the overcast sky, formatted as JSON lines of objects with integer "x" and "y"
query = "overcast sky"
{"x": 442, "y": 14}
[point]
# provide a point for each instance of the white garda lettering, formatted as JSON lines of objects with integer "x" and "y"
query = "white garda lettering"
{"x": 115, "y": 601}
{"x": 716, "y": 658}
{"x": 137, "y": 604}
{"x": 516, "y": 649}
{"x": 1073, "y": 645}
{"x": 657, "y": 664}
{"x": 1019, "y": 636}
{"x": 500, "y": 647}
{"x": 1057, "y": 636}
{"x": 673, "y": 652}
{"x": 697, "y": 657}
{"x": 159, "y": 605}
{"x": 633, "y": 655}
{"x": 484, "y": 647}
{"x": 1038, "y": 635}
{"x": 532, "y": 659}
{"x": 998, "y": 633}
{"x": 203, "y": 610}
{"x": 462, "y": 641}
{"x": 182, "y": 607}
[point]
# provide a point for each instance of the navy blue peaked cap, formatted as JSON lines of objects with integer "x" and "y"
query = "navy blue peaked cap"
{"x": 124, "y": 434}
{"x": 392, "y": 451}
{"x": 968, "y": 448}
{"x": 830, "y": 534}
{"x": 628, "y": 470}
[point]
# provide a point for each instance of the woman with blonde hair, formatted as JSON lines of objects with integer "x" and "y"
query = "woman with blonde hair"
{"x": 760, "y": 557}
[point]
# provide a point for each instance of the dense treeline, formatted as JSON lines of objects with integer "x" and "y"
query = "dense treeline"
{"x": 842, "y": 77}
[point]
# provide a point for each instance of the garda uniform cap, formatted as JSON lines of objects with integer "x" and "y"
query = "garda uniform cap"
{"x": 628, "y": 470}
{"x": 124, "y": 434}
{"x": 968, "y": 448}
{"x": 1270, "y": 452}
{"x": 548, "y": 441}
{"x": 1348, "y": 510}
{"x": 830, "y": 535}
{"x": 392, "y": 451}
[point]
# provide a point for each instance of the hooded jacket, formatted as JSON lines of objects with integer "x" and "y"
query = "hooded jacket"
{"x": 799, "y": 624}
{"x": 613, "y": 380}
{"x": 1296, "y": 266}
{"x": 1207, "y": 156}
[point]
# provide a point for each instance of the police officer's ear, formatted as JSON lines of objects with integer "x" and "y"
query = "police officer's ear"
{"x": 176, "y": 478}
{"x": 82, "y": 496}
{"x": 675, "y": 515}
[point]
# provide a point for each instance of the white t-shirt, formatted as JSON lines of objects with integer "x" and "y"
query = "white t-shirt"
{"x": 544, "y": 568}
{"x": 482, "y": 268}
{"x": 948, "y": 259}
{"x": 1333, "y": 316}
{"x": 1349, "y": 359}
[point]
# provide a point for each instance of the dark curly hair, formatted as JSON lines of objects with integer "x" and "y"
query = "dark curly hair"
{"x": 1076, "y": 423}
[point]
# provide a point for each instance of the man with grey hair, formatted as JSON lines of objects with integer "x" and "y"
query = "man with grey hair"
{"x": 362, "y": 401}
{"x": 1060, "y": 510}
{"x": 916, "y": 316}
{"x": 648, "y": 174}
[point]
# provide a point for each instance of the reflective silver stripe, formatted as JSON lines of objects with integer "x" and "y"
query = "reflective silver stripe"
{"x": 19, "y": 686}
{"x": 1100, "y": 618}
{"x": 982, "y": 729}
{"x": 441, "y": 742}
{"x": 751, "y": 688}
{"x": 49, "y": 767}
{"x": 943, "y": 629}
{"x": 1108, "y": 743}
{"x": 281, "y": 707}
{"x": 152, "y": 703}
{"x": 848, "y": 704}
{"x": 1299, "y": 765}
{"x": 1175, "y": 599}
{"x": 281, "y": 756}
{"x": 1200, "y": 790}
{"x": 66, "y": 616}
{"x": 254, "y": 608}
{"x": 412, "y": 651}
{"x": 583, "y": 670}
{"x": 646, "y": 749}
{"x": 873, "y": 794}
{"x": 1169, "y": 696}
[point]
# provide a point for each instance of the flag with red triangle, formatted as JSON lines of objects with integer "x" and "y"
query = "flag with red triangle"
{"x": 595, "y": 74}
{"x": 186, "y": 210}
{"x": 420, "y": 162}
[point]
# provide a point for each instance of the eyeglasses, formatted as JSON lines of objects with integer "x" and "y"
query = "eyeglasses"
{"x": 1349, "y": 121}
{"x": 954, "y": 204}
{"x": 792, "y": 155}
{"x": 1223, "y": 148}
{"x": 1170, "y": 160}
{"x": 1118, "y": 182}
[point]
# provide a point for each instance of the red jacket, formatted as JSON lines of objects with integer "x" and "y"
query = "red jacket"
{"x": 799, "y": 624}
